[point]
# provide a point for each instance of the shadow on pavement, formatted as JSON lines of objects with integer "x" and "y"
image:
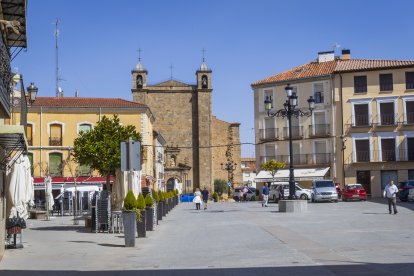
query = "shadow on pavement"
{"x": 111, "y": 245}
{"x": 399, "y": 269}
{"x": 408, "y": 205}
{"x": 77, "y": 228}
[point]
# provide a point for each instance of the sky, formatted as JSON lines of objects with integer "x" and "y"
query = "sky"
{"x": 245, "y": 41}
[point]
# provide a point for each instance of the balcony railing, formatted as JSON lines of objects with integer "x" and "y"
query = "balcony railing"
{"x": 307, "y": 159}
{"x": 269, "y": 134}
{"x": 362, "y": 156}
{"x": 55, "y": 141}
{"x": 297, "y": 132}
{"x": 387, "y": 120}
{"x": 319, "y": 130}
{"x": 5, "y": 77}
{"x": 362, "y": 120}
{"x": 408, "y": 118}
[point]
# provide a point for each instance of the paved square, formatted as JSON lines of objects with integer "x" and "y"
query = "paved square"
{"x": 230, "y": 238}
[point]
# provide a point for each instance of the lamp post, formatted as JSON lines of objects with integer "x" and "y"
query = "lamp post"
{"x": 290, "y": 109}
{"x": 229, "y": 166}
{"x": 32, "y": 91}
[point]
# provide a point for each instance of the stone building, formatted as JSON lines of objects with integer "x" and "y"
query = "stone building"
{"x": 196, "y": 142}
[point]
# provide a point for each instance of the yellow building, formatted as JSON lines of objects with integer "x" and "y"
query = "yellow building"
{"x": 54, "y": 122}
{"x": 378, "y": 121}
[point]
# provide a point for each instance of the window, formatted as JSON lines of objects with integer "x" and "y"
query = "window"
{"x": 386, "y": 82}
{"x": 360, "y": 84}
{"x": 55, "y": 164}
{"x": 409, "y": 80}
{"x": 318, "y": 93}
{"x": 410, "y": 149}
{"x": 387, "y": 113}
{"x": 270, "y": 130}
{"x": 268, "y": 95}
{"x": 362, "y": 150}
{"x": 55, "y": 138}
{"x": 29, "y": 134}
{"x": 409, "y": 109}
{"x": 84, "y": 170}
{"x": 388, "y": 149}
{"x": 85, "y": 127}
{"x": 361, "y": 115}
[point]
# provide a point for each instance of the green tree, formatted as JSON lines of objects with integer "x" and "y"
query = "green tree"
{"x": 220, "y": 186}
{"x": 100, "y": 149}
{"x": 273, "y": 166}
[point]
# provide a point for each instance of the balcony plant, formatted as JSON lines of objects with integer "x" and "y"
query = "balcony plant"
{"x": 149, "y": 203}
{"x": 129, "y": 215}
{"x": 141, "y": 227}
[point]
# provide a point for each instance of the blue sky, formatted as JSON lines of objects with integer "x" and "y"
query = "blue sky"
{"x": 245, "y": 41}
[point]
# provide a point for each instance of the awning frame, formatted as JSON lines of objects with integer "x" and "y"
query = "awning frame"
{"x": 13, "y": 143}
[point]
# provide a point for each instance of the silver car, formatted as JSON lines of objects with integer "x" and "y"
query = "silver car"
{"x": 324, "y": 190}
{"x": 300, "y": 192}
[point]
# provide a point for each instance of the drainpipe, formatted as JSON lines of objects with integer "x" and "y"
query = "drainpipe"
{"x": 333, "y": 112}
{"x": 342, "y": 129}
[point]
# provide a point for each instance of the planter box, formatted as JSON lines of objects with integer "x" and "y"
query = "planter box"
{"x": 149, "y": 219}
{"x": 130, "y": 224}
{"x": 293, "y": 206}
{"x": 159, "y": 210}
{"x": 141, "y": 227}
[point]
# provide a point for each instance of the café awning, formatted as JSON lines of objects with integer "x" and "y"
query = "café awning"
{"x": 300, "y": 174}
{"x": 13, "y": 143}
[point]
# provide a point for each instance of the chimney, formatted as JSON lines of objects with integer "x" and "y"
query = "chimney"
{"x": 346, "y": 54}
{"x": 326, "y": 56}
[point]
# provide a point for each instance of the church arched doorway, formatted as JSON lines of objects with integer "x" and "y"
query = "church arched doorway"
{"x": 170, "y": 184}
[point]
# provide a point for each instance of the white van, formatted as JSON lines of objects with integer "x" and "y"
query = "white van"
{"x": 300, "y": 192}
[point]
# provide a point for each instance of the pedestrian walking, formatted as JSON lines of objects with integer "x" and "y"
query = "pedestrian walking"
{"x": 205, "y": 197}
{"x": 265, "y": 192}
{"x": 245, "y": 190}
{"x": 281, "y": 191}
{"x": 240, "y": 194}
{"x": 197, "y": 199}
{"x": 390, "y": 192}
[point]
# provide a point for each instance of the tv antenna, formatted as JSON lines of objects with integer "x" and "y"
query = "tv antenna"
{"x": 58, "y": 90}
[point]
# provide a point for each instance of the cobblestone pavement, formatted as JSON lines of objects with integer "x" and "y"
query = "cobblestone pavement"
{"x": 345, "y": 238}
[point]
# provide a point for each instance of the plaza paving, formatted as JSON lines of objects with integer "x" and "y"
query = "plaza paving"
{"x": 345, "y": 238}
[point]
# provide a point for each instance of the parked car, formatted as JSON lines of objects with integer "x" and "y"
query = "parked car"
{"x": 300, "y": 192}
{"x": 338, "y": 189}
{"x": 410, "y": 196}
{"x": 403, "y": 189}
{"x": 354, "y": 192}
{"x": 250, "y": 193}
{"x": 323, "y": 190}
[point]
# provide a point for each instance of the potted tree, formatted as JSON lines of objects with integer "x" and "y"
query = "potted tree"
{"x": 129, "y": 215}
{"x": 161, "y": 204}
{"x": 149, "y": 202}
{"x": 141, "y": 228}
{"x": 157, "y": 202}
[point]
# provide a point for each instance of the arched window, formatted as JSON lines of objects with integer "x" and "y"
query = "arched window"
{"x": 29, "y": 134}
{"x": 139, "y": 81}
{"x": 204, "y": 81}
{"x": 55, "y": 138}
{"x": 56, "y": 164}
{"x": 85, "y": 127}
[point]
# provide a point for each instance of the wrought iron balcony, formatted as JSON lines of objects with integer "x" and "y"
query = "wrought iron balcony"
{"x": 55, "y": 141}
{"x": 307, "y": 159}
{"x": 269, "y": 134}
{"x": 319, "y": 130}
{"x": 297, "y": 132}
{"x": 5, "y": 77}
{"x": 387, "y": 120}
{"x": 408, "y": 118}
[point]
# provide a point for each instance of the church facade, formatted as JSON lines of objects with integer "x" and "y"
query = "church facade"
{"x": 196, "y": 142}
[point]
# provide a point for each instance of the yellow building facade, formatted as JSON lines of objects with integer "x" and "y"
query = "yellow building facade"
{"x": 53, "y": 123}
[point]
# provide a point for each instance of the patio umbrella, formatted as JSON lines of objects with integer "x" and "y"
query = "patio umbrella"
{"x": 48, "y": 192}
{"x": 17, "y": 191}
{"x": 120, "y": 189}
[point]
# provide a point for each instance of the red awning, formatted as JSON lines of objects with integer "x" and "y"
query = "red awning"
{"x": 79, "y": 180}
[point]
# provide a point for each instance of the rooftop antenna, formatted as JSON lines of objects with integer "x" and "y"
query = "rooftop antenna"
{"x": 171, "y": 69}
{"x": 336, "y": 46}
{"x": 57, "y": 21}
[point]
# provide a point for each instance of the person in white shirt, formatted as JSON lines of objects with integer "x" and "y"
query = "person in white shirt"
{"x": 390, "y": 192}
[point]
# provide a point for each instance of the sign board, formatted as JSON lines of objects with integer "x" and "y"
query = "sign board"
{"x": 131, "y": 155}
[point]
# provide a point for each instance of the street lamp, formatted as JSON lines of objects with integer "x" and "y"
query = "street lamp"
{"x": 229, "y": 167}
{"x": 290, "y": 109}
{"x": 32, "y": 91}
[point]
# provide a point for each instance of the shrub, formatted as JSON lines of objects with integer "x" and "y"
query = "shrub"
{"x": 149, "y": 201}
{"x": 161, "y": 196}
{"x": 155, "y": 196}
{"x": 130, "y": 203}
{"x": 215, "y": 196}
{"x": 253, "y": 198}
{"x": 220, "y": 186}
{"x": 140, "y": 202}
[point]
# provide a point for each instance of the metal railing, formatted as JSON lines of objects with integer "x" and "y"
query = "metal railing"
{"x": 408, "y": 118}
{"x": 5, "y": 76}
{"x": 269, "y": 133}
{"x": 55, "y": 141}
{"x": 306, "y": 159}
{"x": 319, "y": 130}
{"x": 362, "y": 120}
{"x": 389, "y": 119}
{"x": 297, "y": 132}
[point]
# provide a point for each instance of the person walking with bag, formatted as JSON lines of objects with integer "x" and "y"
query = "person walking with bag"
{"x": 197, "y": 199}
{"x": 390, "y": 192}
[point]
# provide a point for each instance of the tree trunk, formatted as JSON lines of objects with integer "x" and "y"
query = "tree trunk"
{"x": 108, "y": 183}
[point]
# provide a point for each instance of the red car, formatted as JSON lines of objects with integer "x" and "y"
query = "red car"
{"x": 354, "y": 192}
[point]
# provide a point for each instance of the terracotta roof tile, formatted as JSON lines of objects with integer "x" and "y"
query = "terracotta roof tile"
{"x": 371, "y": 64}
{"x": 312, "y": 69}
{"x": 84, "y": 102}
